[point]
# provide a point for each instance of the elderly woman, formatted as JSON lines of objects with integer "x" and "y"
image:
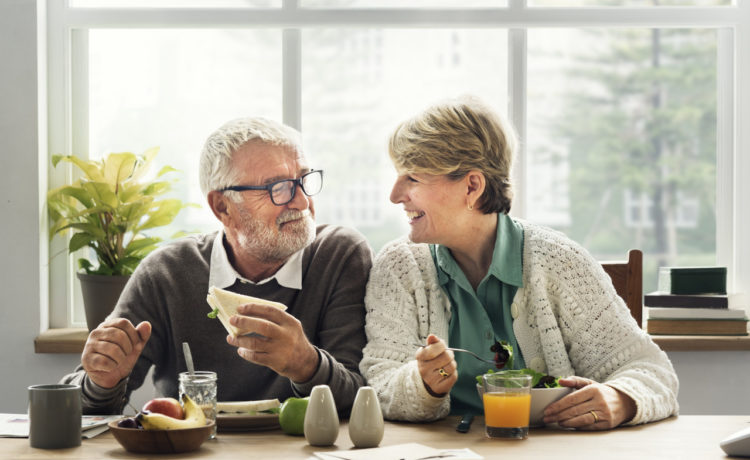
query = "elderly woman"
{"x": 469, "y": 275}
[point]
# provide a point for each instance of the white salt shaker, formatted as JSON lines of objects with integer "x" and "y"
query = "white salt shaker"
{"x": 366, "y": 420}
{"x": 321, "y": 419}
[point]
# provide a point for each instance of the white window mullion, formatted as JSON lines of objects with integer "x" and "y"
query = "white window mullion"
{"x": 725, "y": 97}
{"x": 517, "y": 103}
{"x": 79, "y": 144}
{"x": 292, "y": 78}
{"x": 58, "y": 126}
{"x": 741, "y": 78}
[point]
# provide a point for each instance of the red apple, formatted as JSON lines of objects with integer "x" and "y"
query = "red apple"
{"x": 167, "y": 406}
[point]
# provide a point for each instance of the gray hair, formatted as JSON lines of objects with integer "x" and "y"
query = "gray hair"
{"x": 216, "y": 158}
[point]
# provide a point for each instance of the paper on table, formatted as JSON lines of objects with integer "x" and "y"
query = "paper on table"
{"x": 17, "y": 425}
{"x": 410, "y": 451}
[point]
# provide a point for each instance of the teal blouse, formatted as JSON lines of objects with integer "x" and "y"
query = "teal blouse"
{"x": 479, "y": 317}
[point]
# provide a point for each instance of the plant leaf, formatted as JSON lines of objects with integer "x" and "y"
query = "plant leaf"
{"x": 101, "y": 193}
{"x": 141, "y": 244}
{"x": 91, "y": 168}
{"x": 80, "y": 240}
{"x": 144, "y": 164}
{"x": 163, "y": 214}
{"x": 118, "y": 167}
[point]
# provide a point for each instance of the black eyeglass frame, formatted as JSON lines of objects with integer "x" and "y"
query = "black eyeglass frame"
{"x": 269, "y": 187}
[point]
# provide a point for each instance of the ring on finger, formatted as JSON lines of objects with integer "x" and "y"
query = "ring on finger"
{"x": 596, "y": 417}
{"x": 443, "y": 373}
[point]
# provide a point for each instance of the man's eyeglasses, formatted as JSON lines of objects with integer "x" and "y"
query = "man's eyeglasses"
{"x": 282, "y": 192}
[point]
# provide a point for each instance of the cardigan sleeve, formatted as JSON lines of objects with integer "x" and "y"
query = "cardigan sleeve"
{"x": 397, "y": 320}
{"x": 603, "y": 341}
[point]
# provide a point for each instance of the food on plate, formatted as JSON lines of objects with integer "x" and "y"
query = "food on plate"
{"x": 167, "y": 406}
{"x": 268, "y": 406}
{"x": 504, "y": 357}
{"x": 193, "y": 418}
{"x": 292, "y": 415}
{"x": 225, "y": 303}
{"x": 503, "y": 354}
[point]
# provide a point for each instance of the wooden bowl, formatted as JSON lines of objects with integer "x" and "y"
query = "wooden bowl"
{"x": 161, "y": 441}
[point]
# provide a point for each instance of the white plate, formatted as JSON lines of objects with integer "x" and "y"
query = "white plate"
{"x": 244, "y": 422}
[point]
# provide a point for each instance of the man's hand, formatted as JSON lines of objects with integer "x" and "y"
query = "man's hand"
{"x": 594, "y": 406}
{"x": 437, "y": 366}
{"x": 112, "y": 349}
{"x": 278, "y": 341}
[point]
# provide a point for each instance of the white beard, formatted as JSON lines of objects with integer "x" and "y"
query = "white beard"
{"x": 295, "y": 230}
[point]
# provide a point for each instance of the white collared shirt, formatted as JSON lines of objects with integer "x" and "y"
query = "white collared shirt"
{"x": 222, "y": 274}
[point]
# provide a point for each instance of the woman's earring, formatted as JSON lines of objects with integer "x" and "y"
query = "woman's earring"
{"x": 471, "y": 207}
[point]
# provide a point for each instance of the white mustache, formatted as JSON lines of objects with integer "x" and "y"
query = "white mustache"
{"x": 291, "y": 215}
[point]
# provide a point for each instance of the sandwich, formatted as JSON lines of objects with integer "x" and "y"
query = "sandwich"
{"x": 224, "y": 304}
{"x": 248, "y": 407}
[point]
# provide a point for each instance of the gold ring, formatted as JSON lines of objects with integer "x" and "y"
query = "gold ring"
{"x": 442, "y": 373}
{"x": 596, "y": 417}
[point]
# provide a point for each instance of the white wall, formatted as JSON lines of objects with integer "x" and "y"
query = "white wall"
{"x": 711, "y": 382}
{"x": 21, "y": 279}
{"x": 19, "y": 231}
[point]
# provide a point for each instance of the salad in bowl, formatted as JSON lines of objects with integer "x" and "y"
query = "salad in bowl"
{"x": 545, "y": 389}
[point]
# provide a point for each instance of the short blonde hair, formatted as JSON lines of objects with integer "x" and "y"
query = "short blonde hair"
{"x": 455, "y": 137}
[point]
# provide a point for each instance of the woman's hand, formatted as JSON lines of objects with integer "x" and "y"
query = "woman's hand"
{"x": 593, "y": 406}
{"x": 437, "y": 367}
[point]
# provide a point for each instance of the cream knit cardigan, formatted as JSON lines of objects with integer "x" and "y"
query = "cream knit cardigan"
{"x": 568, "y": 321}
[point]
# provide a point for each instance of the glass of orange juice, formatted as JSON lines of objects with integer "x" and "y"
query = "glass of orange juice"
{"x": 507, "y": 403}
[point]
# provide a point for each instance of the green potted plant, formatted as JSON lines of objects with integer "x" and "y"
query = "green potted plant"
{"x": 109, "y": 209}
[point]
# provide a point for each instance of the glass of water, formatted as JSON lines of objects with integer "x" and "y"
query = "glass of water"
{"x": 200, "y": 386}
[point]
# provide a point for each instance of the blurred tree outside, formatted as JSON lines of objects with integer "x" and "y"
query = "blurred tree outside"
{"x": 641, "y": 135}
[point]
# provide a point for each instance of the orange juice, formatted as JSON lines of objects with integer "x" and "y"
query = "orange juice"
{"x": 507, "y": 410}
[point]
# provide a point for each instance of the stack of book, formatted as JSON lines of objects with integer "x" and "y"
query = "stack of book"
{"x": 695, "y": 314}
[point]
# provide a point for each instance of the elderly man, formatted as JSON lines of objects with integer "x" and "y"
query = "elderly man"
{"x": 260, "y": 186}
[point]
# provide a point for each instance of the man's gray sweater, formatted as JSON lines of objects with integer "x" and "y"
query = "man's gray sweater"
{"x": 169, "y": 289}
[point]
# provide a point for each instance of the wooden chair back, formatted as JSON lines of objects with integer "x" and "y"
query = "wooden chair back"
{"x": 627, "y": 278}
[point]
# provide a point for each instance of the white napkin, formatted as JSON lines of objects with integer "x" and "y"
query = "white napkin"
{"x": 410, "y": 451}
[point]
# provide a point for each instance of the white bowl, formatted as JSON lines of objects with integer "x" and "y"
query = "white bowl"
{"x": 540, "y": 399}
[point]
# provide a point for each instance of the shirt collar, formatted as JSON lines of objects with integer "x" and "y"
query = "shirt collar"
{"x": 222, "y": 274}
{"x": 507, "y": 259}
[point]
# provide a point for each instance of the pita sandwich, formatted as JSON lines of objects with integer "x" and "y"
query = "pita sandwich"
{"x": 226, "y": 302}
{"x": 247, "y": 407}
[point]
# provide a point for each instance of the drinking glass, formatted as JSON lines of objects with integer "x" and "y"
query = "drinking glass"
{"x": 507, "y": 404}
{"x": 200, "y": 386}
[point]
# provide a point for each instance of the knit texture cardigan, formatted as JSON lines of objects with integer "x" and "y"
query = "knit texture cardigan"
{"x": 568, "y": 321}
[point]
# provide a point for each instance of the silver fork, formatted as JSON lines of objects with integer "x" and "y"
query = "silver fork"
{"x": 461, "y": 350}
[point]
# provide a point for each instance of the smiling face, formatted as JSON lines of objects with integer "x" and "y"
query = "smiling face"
{"x": 255, "y": 227}
{"x": 433, "y": 205}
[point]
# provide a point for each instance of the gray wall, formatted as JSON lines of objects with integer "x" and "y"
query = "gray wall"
{"x": 711, "y": 382}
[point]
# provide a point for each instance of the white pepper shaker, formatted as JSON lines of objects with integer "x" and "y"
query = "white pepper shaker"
{"x": 321, "y": 419}
{"x": 366, "y": 420}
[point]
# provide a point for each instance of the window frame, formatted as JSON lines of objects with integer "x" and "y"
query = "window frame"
{"x": 67, "y": 89}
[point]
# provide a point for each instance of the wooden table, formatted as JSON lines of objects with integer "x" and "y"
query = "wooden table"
{"x": 683, "y": 438}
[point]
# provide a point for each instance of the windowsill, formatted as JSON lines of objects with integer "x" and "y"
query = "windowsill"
{"x": 72, "y": 341}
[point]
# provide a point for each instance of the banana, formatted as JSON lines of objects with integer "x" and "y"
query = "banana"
{"x": 194, "y": 417}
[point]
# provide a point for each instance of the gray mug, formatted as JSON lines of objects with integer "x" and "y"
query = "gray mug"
{"x": 54, "y": 416}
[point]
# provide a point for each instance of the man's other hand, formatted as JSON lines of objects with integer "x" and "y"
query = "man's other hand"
{"x": 112, "y": 349}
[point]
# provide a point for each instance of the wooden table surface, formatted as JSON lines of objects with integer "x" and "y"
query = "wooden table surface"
{"x": 683, "y": 438}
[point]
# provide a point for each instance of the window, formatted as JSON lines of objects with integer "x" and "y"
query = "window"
{"x": 626, "y": 120}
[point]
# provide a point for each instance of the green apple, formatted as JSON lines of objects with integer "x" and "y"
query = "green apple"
{"x": 292, "y": 415}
